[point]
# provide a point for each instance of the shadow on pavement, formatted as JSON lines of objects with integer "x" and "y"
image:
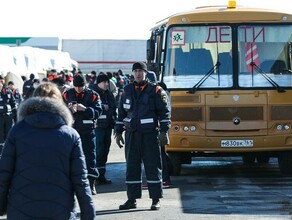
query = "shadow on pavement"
{"x": 231, "y": 187}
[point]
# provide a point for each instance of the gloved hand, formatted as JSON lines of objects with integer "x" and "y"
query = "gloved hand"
{"x": 163, "y": 138}
{"x": 119, "y": 140}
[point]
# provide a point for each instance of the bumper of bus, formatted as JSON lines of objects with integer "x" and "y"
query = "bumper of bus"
{"x": 213, "y": 144}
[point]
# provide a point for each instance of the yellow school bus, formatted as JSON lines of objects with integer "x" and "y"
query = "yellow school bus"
{"x": 228, "y": 72}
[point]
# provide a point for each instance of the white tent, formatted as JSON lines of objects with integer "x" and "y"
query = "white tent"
{"x": 24, "y": 60}
{"x": 7, "y": 63}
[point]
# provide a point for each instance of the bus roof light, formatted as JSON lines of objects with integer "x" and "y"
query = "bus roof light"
{"x": 231, "y": 4}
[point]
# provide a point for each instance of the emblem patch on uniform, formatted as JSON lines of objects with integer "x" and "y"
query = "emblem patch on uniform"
{"x": 164, "y": 99}
{"x": 164, "y": 96}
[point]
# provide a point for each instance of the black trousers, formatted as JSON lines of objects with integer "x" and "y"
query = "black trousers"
{"x": 6, "y": 123}
{"x": 89, "y": 149}
{"x": 143, "y": 147}
{"x": 103, "y": 143}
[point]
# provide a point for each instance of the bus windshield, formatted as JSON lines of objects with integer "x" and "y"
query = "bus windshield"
{"x": 261, "y": 58}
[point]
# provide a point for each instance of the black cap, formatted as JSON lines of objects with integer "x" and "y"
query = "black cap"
{"x": 36, "y": 81}
{"x": 1, "y": 77}
{"x": 79, "y": 80}
{"x": 139, "y": 66}
{"x": 31, "y": 76}
{"x": 59, "y": 81}
{"x": 102, "y": 77}
{"x": 10, "y": 83}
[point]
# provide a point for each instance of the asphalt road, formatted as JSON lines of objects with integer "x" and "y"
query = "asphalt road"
{"x": 209, "y": 188}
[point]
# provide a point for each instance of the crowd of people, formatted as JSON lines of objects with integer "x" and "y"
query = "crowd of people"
{"x": 71, "y": 118}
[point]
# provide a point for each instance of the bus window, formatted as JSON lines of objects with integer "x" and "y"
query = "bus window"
{"x": 267, "y": 53}
{"x": 194, "y": 51}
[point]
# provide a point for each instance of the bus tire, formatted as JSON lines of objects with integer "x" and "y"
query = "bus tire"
{"x": 175, "y": 159}
{"x": 263, "y": 158}
{"x": 285, "y": 162}
{"x": 248, "y": 158}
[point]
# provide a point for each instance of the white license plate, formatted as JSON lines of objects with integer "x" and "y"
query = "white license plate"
{"x": 236, "y": 143}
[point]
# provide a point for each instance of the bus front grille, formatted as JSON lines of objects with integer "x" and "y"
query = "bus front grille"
{"x": 185, "y": 99}
{"x": 253, "y": 113}
{"x": 281, "y": 113}
{"x": 186, "y": 114}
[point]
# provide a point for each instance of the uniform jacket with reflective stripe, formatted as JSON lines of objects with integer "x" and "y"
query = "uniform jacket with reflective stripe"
{"x": 144, "y": 113}
{"x": 84, "y": 120}
{"x": 7, "y": 102}
{"x": 107, "y": 118}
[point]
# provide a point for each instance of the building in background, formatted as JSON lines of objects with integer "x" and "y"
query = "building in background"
{"x": 105, "y": 55}
{"x": 89, "y": 54}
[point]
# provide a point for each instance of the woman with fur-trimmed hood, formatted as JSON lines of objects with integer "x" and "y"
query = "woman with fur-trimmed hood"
{"x": 43, "y": 165}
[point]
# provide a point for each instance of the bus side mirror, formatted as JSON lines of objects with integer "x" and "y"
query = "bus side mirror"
{"x": 150, "y": 49}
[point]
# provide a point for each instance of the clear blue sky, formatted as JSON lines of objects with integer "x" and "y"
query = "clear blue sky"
{"x": 94, "y": 19}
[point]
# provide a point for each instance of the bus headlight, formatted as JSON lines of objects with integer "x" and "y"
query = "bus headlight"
{"x": 279, "y": 127}
{"x": 186, "y": 128}
{"x": 193, "y": 128}
{"x": 286, "y": 127}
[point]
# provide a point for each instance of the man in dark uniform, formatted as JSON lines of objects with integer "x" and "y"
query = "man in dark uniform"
{"x": 85, "y": 105}
{"x": 16, "y": 94}
{"x": 144, "y": 112}
{"x": 7, "y": 111}
{"x": 92, "y": 79}
{"x": 105, "y": 125}
{"x": 27, "y": 85}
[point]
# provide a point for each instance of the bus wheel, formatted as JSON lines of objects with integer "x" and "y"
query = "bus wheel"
{"x": 263, "y": 158}
{"x": 175, "y": 159}
{"x": 248, "y": 158}
{"x": 285, "y": 162}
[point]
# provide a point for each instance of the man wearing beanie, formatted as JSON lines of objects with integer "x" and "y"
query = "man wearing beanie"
{"x": 7, "y": 111}
{"x": 144, "y": 113}
{"x": 92, "y": 79}
{"x": 85, "y": 106}
{"x": 27, "y": 85}
{"x": 105, "y": 124}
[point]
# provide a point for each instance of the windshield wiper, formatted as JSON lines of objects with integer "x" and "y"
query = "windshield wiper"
{"x": 269, "y": 79}
{"x": 203, "y": 79}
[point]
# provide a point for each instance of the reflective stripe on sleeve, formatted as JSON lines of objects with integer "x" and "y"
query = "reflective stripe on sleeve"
{"x": 87, "y": 122}
{"x": 164, "y": 120}
{"x": 146, "y": 120}
{"x": 102, "y": 117}
{"x": 127, "y": 120}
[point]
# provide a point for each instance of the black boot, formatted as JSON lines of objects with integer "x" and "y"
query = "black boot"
{"x": 155, "y": 204}
{"x": 92, "y": 186}
{"x": 129, "y": 204}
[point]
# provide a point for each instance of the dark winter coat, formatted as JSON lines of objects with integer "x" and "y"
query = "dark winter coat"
{"x": 108, "y": 117}
{"x": 43, "y": 165}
